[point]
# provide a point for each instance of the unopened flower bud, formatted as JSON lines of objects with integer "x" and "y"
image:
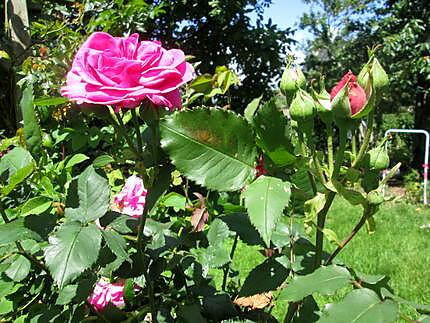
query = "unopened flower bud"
{"x": 302, "y": 108}
{"x": 292, "y": 79}
{"x": 380, "y": 78}
{"x": 378, "y": 158}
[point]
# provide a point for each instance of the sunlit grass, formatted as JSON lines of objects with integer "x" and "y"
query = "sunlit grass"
{"x": 399, "y": 249}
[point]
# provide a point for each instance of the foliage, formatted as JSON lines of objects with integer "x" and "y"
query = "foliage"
{"x": 344, "y": 29}
{"x": 65, "y": 229}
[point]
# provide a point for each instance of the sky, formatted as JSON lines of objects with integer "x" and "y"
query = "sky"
{"x": 286, "y": 14}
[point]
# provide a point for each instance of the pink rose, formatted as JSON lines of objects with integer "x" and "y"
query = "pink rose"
{"x": 131, "y": 199}
{"x": 123, "y": 71}
{"x": 105, "y": 293}
{"x": 356, "y": 94}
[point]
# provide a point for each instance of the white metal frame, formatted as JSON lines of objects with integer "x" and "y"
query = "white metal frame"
{"x": 426, "y": 153}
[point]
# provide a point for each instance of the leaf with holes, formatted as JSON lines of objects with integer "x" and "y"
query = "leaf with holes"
{"x": 72, "y": 249}
{"x": 213, "y": 147}
{"x": 265, "y": 200}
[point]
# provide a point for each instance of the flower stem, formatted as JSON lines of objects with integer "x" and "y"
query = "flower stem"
{"x": 227, "y": 267}
{"x": 322, "y": 215}
{"x": 366, "y": 213}
{"x": 366, "y": 139}
{"x": 330, "y": 148}
{"x": 137, "y": 130}
{"x": 120, "y": 127}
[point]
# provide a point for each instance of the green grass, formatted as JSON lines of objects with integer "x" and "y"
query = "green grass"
{"x": 398, "y": 249}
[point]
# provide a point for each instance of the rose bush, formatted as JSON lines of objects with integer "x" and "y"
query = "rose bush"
{"x": 123, "y": 71}
{"x": 136, "y": 214}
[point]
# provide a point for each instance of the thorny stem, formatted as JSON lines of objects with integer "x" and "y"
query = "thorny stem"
{"x": 366, "y": 213}
{"x": 319, "y": 239}
{"x": 227, "y": 267}
{"x": 19, "y": 246}
{"x": 366, "y": 139}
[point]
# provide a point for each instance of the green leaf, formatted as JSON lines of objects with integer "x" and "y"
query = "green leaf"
{"x": 32, "y": 132}
{"x": 103, "y": 160}
{"x": 76, "y": 159}
{"x": 19, "y": 164}
{"x": 116, "y": 244}
{"x": 216, "y": 254}
{"x": 72, "y": 249}
{"x": 218, "y": 307}
{"x": 16, "y": 230}
{"x": 267, "y": 276}
{"x": 353, "y": 197}
{"x": 313, "y": 207}
{"x": 239, "y": 223}
{"x": 6, "y": 306}
{"x": 36, "y": 205}
{"x": 17, "y": 178}
{"x": 19, "y": 269}
{"x": 324, "y": 280}
{"x": 49, "y": 101}
{"x": 251, "y": 108}
{"x": 218, "y": 232}
{"x": 265, "y": 200}
{"x": 360, "y": 306}
{"x": 175, "y": 200}
{"x": 270, "y": 126}
{"x": 213, "y": 147}
{"x": 15, "y": 160}
{"x": 66, "y": 294}
{"x": 385, "y": 293}
{"x": 191, "y": 314}
{"x": 93, "y": 192}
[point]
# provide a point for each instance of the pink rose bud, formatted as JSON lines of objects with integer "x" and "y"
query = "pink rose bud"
{"x": 356, "y": 95}
{"x": 105, "y": 293}
{"x": 123, "y": 71}
{"x": 131, "y": 199}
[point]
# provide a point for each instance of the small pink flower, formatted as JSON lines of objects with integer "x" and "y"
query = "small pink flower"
{"x": 123, "y": 72}
{"x": 131, "y": 199}
{"x": 105, "y": 293}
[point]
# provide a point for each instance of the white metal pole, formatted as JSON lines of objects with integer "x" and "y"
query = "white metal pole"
{"x": 426, "y": 153}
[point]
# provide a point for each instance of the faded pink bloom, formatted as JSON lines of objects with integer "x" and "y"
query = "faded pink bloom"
{"x": 105, "y": 293}
{"x": 123, "y": 71}
{"x": 131, "y": 199}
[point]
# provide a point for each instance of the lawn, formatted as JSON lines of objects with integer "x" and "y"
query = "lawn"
{"x": 399, "y": 249}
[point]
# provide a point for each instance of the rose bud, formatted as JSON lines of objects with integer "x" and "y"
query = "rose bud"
{"x": 302, "y": 108}
{"x": 380, "y": 78}
{"x": 378, "y": 158}
{"x": 292, "y": 79}
{"x": 348, "y": 98}
{"x": 372, "y": 76}
{"x": 323, "y": 106}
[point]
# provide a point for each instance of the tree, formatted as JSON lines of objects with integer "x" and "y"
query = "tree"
{"x": 214, "y": 32}
{"x": 344, "y": 29}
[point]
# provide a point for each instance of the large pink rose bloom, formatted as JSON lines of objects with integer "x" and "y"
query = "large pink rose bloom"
{"x": 131, "y": 200}
{"x": 123, "y": 71}
{"x": 105, "y": 293}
